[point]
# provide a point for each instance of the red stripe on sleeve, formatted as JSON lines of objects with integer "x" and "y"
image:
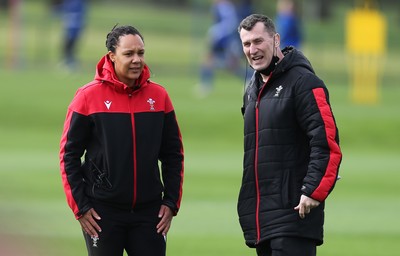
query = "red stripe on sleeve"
{"x": 335, "y": 155}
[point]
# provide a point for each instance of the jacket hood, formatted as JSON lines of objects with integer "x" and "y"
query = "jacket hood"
{"x": 105, "y": 73}
{"x": 293, "y": 58}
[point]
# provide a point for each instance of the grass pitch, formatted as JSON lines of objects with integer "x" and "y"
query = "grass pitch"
{"x": 362, "y": 212}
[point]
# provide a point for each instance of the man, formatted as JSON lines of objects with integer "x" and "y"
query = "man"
{"x": 291, "y": 146}
{"x": 123, "y": 124}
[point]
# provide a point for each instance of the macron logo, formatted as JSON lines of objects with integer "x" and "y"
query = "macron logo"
{"x": 108, "y": 104}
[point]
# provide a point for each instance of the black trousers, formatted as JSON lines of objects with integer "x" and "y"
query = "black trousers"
{"x": 287, "y": 246}
{"x": 132, "y": 231}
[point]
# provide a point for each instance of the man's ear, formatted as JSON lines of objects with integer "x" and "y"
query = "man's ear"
{"x": 277, "y": 39}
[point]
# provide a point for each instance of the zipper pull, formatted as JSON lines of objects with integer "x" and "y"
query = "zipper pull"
{"x": 256, "y": 106}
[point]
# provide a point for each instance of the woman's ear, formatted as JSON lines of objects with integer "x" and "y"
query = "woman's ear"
{"x": 111, "y": 55}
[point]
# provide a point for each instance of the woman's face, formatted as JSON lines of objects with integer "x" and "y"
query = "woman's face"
{"x": 128, "y": 59}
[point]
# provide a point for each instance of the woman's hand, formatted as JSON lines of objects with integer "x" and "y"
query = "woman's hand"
{"x": 89, "y": 223}
{"x": 165, "y": 214}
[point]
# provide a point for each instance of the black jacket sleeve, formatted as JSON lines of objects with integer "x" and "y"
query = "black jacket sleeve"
{"x": 316, "y": 119}
{"x": 172, "y": 162}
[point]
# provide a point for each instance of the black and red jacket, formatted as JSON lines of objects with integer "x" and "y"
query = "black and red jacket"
{"x": 123, "y": 134}
{"x": 291, "y": 147}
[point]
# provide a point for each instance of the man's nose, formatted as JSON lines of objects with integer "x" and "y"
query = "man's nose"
{"x": 252, "y": 49}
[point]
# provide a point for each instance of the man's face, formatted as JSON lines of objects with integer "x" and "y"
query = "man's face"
{"x": 128, "y": 59}
{"x": 258, "y": 46}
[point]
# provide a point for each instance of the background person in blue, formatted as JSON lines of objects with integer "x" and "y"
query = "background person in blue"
{"x": 224, "y": 47}
{"x": 244, "y": 9}
{"x": 288, "y": 23}
{"x": 73, "y": 14}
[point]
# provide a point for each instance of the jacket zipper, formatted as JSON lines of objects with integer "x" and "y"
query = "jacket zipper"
{"x": 134, "y": 152}
{"x": 256, "y": 165}
{"x": 256, "y": 178}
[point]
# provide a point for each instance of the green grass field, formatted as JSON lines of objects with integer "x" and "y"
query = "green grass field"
{"x": 362, "y": 212}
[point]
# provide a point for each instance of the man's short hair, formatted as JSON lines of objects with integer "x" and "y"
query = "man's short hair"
{"x": 250, "y": 21}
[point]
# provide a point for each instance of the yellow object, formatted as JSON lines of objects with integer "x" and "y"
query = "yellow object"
{"x": 366, "y": 45}
{"x": 366, "y": 32}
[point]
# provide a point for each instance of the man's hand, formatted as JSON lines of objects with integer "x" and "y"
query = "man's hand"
{"x": 89, "y": 224}
{"x": 305, "y": 205}
{"x": 165, "y": 214}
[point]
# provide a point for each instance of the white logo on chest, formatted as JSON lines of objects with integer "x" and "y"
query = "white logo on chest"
{"x": 108, "y": 104}
{"x": 278, "y": 90}
{"x": 151, "y": 102}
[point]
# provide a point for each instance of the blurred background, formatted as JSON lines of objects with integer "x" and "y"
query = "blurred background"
{"x": 49, "y": 49}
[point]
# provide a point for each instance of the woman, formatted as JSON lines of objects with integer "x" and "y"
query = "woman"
{"x": 123, "y": 124}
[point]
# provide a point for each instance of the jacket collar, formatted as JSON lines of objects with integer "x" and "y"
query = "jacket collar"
{"x": 105, "y": 73}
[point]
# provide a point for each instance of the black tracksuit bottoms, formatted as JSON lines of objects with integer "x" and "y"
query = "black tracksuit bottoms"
{"x": 132, "y": 231}
{"x": 287, "y": 246}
